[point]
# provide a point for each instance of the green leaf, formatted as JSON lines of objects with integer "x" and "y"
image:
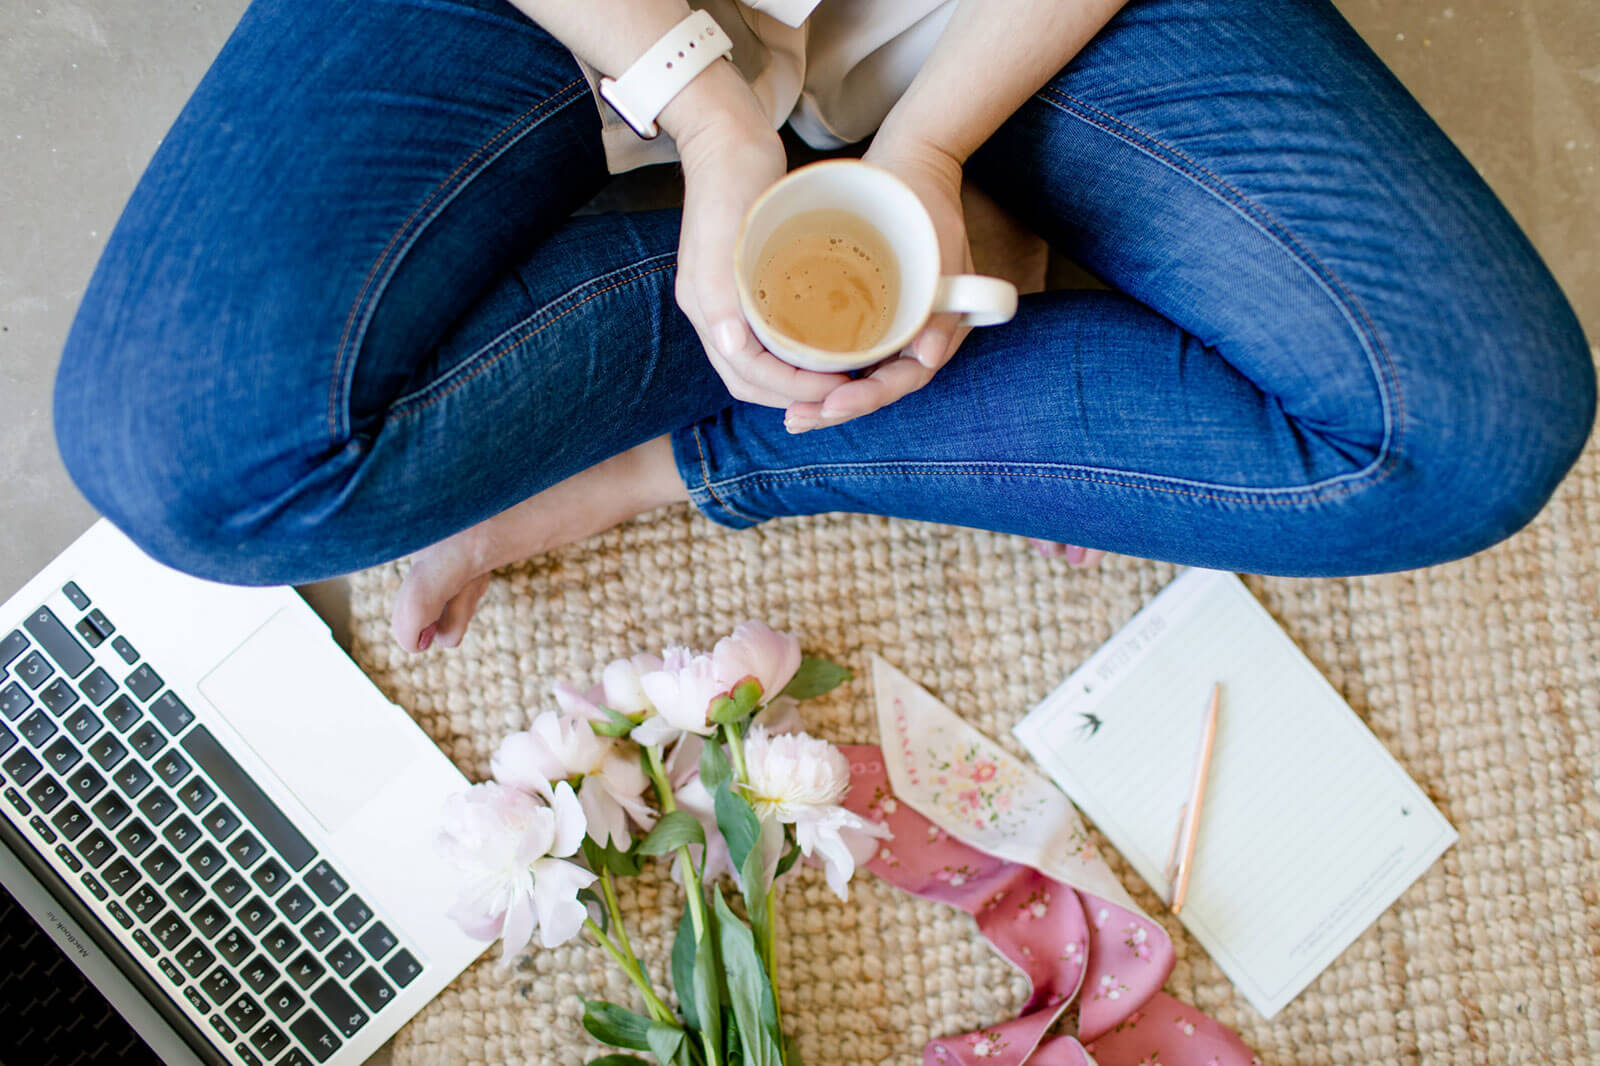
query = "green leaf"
{"x": 747, "y": 695}
{"x": 672, "y": 832}
{"x": 738, "y": 822}
{"x": 815, "y": 677}
{"x": 714, "y": 765}
{"x": 611, "y": 1024}
{"x": 589, "y": 895}
{"x": 754, "y": 1009}
{"x": 790, "y": 857}
{"x": 683, "y": 960}
{"x": 791, "y": 1056}
{"x": 618, "y": 1060}
{"x": 622, "y": 863}
{"x": 724, "y": 710}
{"x": 708, "y": 982}
{"x": 664, "y": 1040}
{"x": 751, "y": 877}
{"x": 616, "y": 724}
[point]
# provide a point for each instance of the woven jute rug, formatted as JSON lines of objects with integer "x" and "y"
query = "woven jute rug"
{"x": 1482, "y": 677}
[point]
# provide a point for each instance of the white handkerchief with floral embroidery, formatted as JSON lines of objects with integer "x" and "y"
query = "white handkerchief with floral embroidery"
{"x": 981, "y": 794}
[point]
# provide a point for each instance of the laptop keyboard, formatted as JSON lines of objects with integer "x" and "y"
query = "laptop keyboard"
{"x": 217, "y": 889}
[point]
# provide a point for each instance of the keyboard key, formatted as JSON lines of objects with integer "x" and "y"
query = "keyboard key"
{"x": 220, "y": 821}
{"x": 57, "y": 643}
{"x": 171, "y": 767}
{"x": 12, "y": 645}
{"x": 248, "y": 798}
{"x": 205, "y": 861}
{"x": 21, "y": 766}
{"x": 353, "y": 913}
{"x": 37, "y": 729}
{"x": 196, "y": 794}
{"x": 373, "y": 989}
{"x": 8, "y": 740}
{"x": 246, "y": 849}
{"x": 136, "y": 837}
{"x": 148, "y": 740}
{"x": 235, "y": 947}
{"x": 280, "y": 943}
{"x": 320, "y": 931}
{"x": 62, "y": 757}
{"x": 96, "y": 849}
{"x": 185, "y": 892}
{"x": 284, "y": 1001}
{"x": 196, "y": 999}
{"x": 402, "y": 969}
{"x": 71, "y": 820}
{"x": 294, "y": 1057}
{"x": 160, "y": 864}
{"x": 306, "y": 969}
{"x": 89, "y": 634}
{"x": 132, "y": 779}
{"x": 311, "y": 1031}
{"x": 146, "y": 945}
{"x": 158, "y": 806}
{"x": 14, "y": 699}
{"x": 75, "y": 595}
{"x": 58, "y": 696}
{"x": 120, "y": 876}
{"x": 341, "y": 1010}
{"x": 14, "y": 798}
{"x": 107, "y": 751}
{"x": 122, "y": 713}
{"x": 169, "y": 930}
{"x": 245, "y": 1013}
{"x": 222, "y": 1028}
{"x": 325, "y": 881}
{"x": 97, "y": 686}
{"x": 68, "y": 859}
{"x": 210, "y": 919}
{"x": 345, "y": 959}
{"x": 146, "y": 903}
{"x": 295, "y": 904}
{"x": 181, "y": 833}
{"x": 194, "y": 957}
{"x": 143, "y": 682}
{"x": 100, "y": 622}
{"x": 220, "y": 985}
{"x": 83, "y": 724}
{"x": 35, "y": 670}
{"x": 170, "y": 711}
{"x": 86, "y": 782}
{"x": 119, "y": 914}
{"x": 48, "y": 793}
{"x": 96, "y": 889}
{"x": 46, "y": 834}
{"x": 259, "y": 973}
{"x": 270, "y": 877}
{"x": 112, "y": 810}
{"x": 246, "y": 1056}
{"x": 255, "y": 914}
{"x": 124, "y": 650}
{"x": 230, "y": 887}
{"x": 270, "y": 1040}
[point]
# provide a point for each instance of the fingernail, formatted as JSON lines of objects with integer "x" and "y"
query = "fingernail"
{"x": 730, "y": 337}
{"x": 425, "y": 638}
{"x": 798, "y": 426}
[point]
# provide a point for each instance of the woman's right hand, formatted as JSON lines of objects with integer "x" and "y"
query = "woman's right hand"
{"x": 731, "y": 155}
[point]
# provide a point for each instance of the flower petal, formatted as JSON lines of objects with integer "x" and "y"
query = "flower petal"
{"x": 570, "y": 824}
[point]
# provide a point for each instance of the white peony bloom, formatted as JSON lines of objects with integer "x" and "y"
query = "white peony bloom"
{"x": 681, "y": 693}
{"x": 621, "y": 687}
{"x": 756, "y": 650}
{"x": 559, "y": 747}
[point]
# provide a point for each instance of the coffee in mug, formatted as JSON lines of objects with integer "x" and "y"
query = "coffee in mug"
{"x": 828, "y": 280}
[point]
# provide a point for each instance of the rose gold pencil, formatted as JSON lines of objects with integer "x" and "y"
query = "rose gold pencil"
{"x": 1189, "y": 817}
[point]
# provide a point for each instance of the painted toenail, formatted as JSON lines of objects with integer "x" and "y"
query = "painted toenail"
{"x": 425, "y": 639}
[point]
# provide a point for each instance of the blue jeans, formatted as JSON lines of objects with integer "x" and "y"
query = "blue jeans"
{"x": 348, "y": 312}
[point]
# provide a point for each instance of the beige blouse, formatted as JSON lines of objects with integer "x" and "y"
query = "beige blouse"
{"x": 831, "y": 69}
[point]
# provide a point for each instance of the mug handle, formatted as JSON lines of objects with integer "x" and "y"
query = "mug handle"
{"x": 979, "y": 300}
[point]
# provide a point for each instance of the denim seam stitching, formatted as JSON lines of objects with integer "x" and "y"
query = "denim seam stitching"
{"x": 438, "y": 199}
{"x": 505, "y": 336}
{"x": 1361, "y": 323}
{"x": 705, "y": 479}
{"x": 495, "y": 357}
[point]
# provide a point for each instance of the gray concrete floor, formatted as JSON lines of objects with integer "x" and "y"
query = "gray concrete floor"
{"x": 87, "y": 89}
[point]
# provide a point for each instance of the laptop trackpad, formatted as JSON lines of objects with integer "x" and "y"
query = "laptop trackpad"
{"x": 311, "y": 715}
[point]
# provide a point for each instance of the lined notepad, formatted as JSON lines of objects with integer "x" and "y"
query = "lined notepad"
{"x": 1310, "y": 829}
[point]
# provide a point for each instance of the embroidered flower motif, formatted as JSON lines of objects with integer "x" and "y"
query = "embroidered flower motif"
{"x": 1152, "y": 1059}
{"x": 980, "y": 787}
{"x": 1136, "y": 937}
{"x": 1072, "y": 953}
{"x": 1036, "y": 905}
{"x": 1110, "y": 988}
{"x": 887, "y": 857}
{"x": 987, "y": 1044}
{"x": 935, "y": 834}
{"x": 955, "y": 877}
{"x": 984, "y": 771}
{"x": 1185, "y": 1026}
{"x": 1100, "y": 917}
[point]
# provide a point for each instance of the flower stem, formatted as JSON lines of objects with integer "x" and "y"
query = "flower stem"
{"x": 770, "y": 950}
{"x": 609, "y": 890}
{"x": 736, "y": 749}
{"x": 658, "y": 1010}
{"x": 691, "y": 876}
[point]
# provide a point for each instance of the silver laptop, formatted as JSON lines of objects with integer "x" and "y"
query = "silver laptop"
{"x": 217, "y": 815}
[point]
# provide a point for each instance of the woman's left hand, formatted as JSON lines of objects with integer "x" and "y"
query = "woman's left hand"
{"x": 935, "y": 176}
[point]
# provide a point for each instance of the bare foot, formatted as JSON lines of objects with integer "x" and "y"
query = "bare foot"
{"x": 1074, "y": 555}
{"x": 447, "y": 580}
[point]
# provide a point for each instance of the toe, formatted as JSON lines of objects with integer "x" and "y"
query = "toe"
{"x": 459, "y": 611}
{"x": 420, "y": 603}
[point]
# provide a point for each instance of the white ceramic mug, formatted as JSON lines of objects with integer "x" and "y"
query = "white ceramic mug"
{"x": 890, "y": 206}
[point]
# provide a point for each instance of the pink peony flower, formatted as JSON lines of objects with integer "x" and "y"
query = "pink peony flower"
{"x": 620, "y": 683}
{"x": 759, "y": 651}
{"x": 556, "y": 747}
{"x": 511, "y": 850}
{"x": 681, "y": 696}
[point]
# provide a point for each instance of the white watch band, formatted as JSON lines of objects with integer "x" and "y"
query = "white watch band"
{"x": 647, "y": 87}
